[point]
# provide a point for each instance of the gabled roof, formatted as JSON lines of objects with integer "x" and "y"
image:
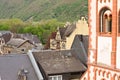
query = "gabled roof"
{"x": 16, "y": 42}
{"x": 80, "y": 46}
{"x": 57, "y": 62}
{"x": 69, "y": 29}
{"x": 28, "y": 36}
{"x": 10, "y": 66}
{"x": 65, "y": 31}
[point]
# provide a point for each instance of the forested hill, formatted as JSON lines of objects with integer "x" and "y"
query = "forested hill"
{"x": 63, "y": 10}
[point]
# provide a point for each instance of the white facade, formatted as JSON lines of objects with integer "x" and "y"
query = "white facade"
{"x": 118, "y": 5}
{"x": 118, "y": 53}
{"x": 100, "y": 5}
{"x": 104, "y": 50}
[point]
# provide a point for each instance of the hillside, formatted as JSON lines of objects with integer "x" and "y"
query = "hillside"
{"x": 63, "y": 10}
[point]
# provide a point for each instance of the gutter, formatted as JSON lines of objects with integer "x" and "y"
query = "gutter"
{"x": 35, "y": 66}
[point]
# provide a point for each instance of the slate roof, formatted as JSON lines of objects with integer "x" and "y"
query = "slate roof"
{"x": 28, "y": 36}
{"x": 11, "y": 64}
{"x": 80, "y": 46}
{"x": 57, "y": 62}
{"x": 62, "y": 32}
{"x": 4, "y": 32}
{"x": 69, "y": 29}
{"x": 16, "y": 42}
{"x": 6, "y": 35}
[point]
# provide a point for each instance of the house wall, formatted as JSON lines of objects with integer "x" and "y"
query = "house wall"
{"x": 7, "y": 49}
{"x": 21, "y": 49}
{"x": 52, "y": 44}
{"x": 81, "y": 28}
{"x": 66, "y": 76}
{"x": 104, "y": 50}
{"x": 26, "y": 46}
{"x": 72, "y": 76}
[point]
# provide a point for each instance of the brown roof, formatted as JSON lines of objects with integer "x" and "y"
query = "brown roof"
{"x": 56, "y": 62}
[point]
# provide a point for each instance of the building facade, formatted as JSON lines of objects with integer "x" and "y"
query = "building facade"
{"x": 81, "y": 28}
{"x": 104, "y": 40}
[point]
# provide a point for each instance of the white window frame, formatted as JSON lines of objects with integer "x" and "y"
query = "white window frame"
{"x": 56, "y": 76}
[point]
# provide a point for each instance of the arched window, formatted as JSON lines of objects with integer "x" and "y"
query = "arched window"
{"x": 105, "y": 21}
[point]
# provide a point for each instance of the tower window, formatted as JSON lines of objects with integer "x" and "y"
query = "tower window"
{"x": 105, "y": 21}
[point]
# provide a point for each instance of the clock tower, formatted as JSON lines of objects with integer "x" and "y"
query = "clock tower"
{"x": 104, "y": 40}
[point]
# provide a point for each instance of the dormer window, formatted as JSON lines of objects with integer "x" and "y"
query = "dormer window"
{"x": 22, "y": 74}
{"x": 105, "y": 22}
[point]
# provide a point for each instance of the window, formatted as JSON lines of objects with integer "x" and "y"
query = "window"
{"x": 56, "y": 77}
{"x": 22, "y": 50}
{"x": 63, "y": 45}
{"x": 22, "y": 74}
{"x": 105, "y": 21}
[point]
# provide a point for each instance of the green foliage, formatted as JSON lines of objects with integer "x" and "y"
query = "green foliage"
{"x": 50, "y": 13}
{"x": 42, "y": 29}
{"x": 62, "y": 10}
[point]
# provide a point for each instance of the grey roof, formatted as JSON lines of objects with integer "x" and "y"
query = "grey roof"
{"x": 62, "y": 32}
{"x": 80, "y": 46}
{"x": 4, "y": 32}
{"x": 10, "y": 65}
{"x": 16, "y": 42}
{"x": 57, "y": 62}
{"x": 69, "y": 29}
{"x": 6, "y": 35}
{"x": 28, "y": 36}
